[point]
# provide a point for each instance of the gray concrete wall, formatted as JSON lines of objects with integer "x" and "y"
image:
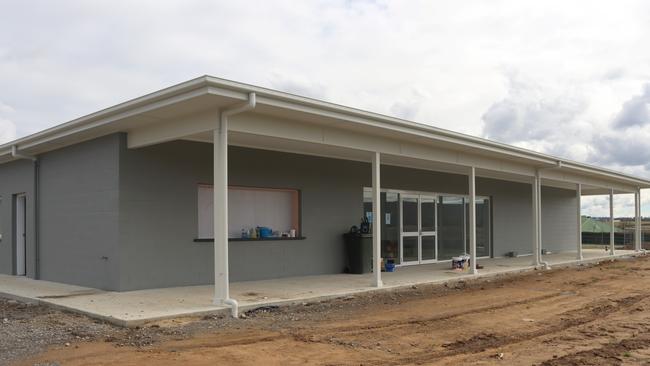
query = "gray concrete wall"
{"x": 511, "y": 202}
{"x": 79, "y": 214}
{"x": 15, "y": 178}
{"x": 559, "y": 222}
{"x": 158, "y": 219}
{"x": 158, "y": 222}
{"x": 512, "y": 215}
{"x": 122, "y": 219}
{"x": 159, "y": 214}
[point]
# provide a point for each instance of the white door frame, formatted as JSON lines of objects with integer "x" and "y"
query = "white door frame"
{"x": 436, "y": 196}
{"x": 410, "y": 234}
{"x": 428, "y": 233}
{"x": 20, "y": 234}
{"x": 419, "y": 233}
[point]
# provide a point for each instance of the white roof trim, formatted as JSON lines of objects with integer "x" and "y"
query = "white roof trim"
{"x": 211, "y": 85}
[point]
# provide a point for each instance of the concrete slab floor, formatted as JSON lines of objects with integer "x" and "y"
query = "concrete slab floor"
{"x": 134, "y": 308}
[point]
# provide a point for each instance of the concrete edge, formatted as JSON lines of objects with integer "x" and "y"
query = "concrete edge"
{"x": 131, "y": 323}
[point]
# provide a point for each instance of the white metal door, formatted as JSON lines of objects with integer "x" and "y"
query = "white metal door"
{"x": 20, "y": 235}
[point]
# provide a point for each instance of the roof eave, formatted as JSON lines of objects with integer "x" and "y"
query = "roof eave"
{"x": 241, "y": 90}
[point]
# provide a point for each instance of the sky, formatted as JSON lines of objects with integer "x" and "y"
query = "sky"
{"x": 568, "y": 78}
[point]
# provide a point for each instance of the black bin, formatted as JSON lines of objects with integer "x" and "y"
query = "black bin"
{"x": 359, "y": 251}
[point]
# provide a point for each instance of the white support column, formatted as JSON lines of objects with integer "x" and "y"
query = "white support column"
{"x": 220, "y": 203}
{"x": 611, "y": 218}
{"x": 472, "y": 220}
{"x": 637, "y": 220}
{"x": 536, "y": 221}
{"x": 376, "y": 220}
{"x": 579, "y": 212}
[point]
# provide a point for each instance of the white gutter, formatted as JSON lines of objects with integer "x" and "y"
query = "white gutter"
{"x": 16, "y": 155}
{"x": 208, "y": 85}
{"x": 221, "y": 258}
{"x": 290, "y": 101}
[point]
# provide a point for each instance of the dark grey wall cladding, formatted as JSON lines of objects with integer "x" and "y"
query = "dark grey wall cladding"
{"x": 159, "y": 214}
{"x": 79, "y": 213}
{"x": 559, "y": 221}
{"x": 511, "y": 207}
{"x": 512, "y": 215}
{"x": 122, "y": 219}
{"x": 158, "y": 218}
{"x": 332, "y": 201}
{"x": 15, "y": 178}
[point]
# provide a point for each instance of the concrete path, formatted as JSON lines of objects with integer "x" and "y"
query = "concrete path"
{"x": 134, "y": 308}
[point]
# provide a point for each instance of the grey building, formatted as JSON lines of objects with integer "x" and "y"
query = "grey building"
{"x": 124, "y": 198}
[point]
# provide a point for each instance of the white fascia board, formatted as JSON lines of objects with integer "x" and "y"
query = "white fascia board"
{"x": 566, "y": 175}
{"x": 308, "y": 105}
{"x": 106, "y": 116}
{"x": 239, "y": 91}
{"x": 294, "y": 102}
{"x": 120, "y": 116}
{"x": 612, "y": 174}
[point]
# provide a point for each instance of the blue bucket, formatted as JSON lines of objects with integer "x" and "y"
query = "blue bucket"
{"x": 265, "y": 232}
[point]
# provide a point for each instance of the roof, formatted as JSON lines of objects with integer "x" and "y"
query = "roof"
{"x": 118, "y": 117}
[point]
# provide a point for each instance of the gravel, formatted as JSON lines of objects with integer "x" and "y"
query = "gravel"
{"x": 27, "y": 329}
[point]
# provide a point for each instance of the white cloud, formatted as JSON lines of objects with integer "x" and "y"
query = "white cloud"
{"x": 7, "y": 130}
{"x": 531, "y": 112}
{"x": 572, "y": 70}
{"x": 635, "y": 112}
{"x": 7, "y": 127}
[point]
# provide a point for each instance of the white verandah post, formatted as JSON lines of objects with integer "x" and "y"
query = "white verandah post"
{"x": 536, "y": 221}
{"x": 376, "y": 220}
{"x": 220, "y": 203}
{"x": 579, "y": 212}
{"x": 637, "y": 220}
{"x": 611, "y": 218}
{"x": 472, "y": 220}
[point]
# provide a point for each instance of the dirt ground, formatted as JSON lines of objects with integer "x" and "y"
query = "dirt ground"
{"x": 588, "y": 315}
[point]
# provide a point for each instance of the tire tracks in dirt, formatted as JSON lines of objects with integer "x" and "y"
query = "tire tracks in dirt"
{"x": 590, "y": 312}
{"x": 609, "y": 354}
{"x": 392, "y": 325}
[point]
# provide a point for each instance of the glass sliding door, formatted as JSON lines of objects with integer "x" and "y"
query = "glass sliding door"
{"x": 390, "y": 227}
{"x": 483, "y": 227}
{"x": 390, "y": 222}
{"x": 422, "y": 228}
{"x": 451, "y": 227}
{"x": 483, "y": 236}
{"x": 418, "y": 232}
{"x": 410, "y": 229}
{"x": 427, "y": 229}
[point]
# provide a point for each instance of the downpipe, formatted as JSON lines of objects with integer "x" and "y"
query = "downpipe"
{"x": 234, "y": 307}
{"x": 558, "y": 165}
